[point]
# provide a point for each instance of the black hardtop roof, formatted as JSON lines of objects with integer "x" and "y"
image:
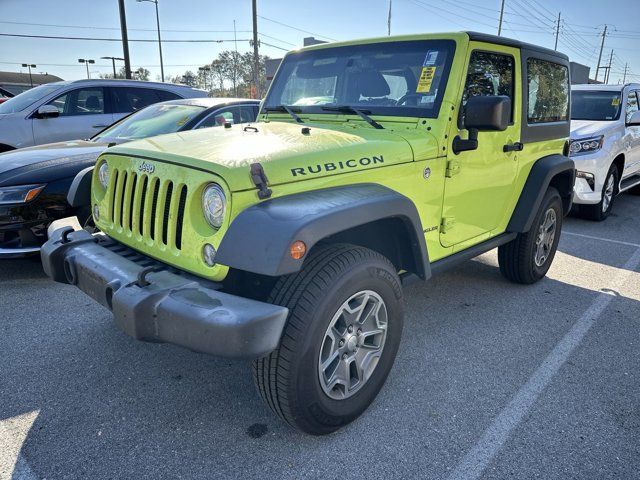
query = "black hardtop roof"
{"x": 510, "y": 42}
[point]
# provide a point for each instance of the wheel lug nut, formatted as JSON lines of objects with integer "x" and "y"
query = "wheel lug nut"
{"x": 350, "y": 329}
{"x": 344, "y": 356}
{"x": 341, "y": 343}
{"x": 359, "y": 331}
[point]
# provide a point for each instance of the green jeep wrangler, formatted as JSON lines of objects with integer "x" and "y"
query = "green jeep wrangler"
{"x": 287, "y": 241}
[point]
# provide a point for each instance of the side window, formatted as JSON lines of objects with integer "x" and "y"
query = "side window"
{"x": 632, "y": 104}
{"x": 165, "y": 96}
{"x": 489, "y": 74}
{"x": 221, "y": 116}
{"x": 548, "y": 87}
{"x": 131, "y": 99}
{"x": 248, "y": 114}
{"x": 83, "y": 101}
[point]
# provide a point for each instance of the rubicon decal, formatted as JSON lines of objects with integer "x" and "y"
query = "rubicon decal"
{"x": 340, "y": 165}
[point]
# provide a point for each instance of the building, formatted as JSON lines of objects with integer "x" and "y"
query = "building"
{"x": 579, "y": 73}
{"x": 19, "y": 82}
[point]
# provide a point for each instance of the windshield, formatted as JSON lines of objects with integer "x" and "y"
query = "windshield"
{"x": 595, "y": 105}
{"x": 386, "y": 78}
{"x": 22, "y": 101}
{"x": 153, "y": 120}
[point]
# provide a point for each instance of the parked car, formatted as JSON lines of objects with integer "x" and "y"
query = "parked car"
{"x": 5, "y": 95}
{"x": 287, "y": 241}
{"x": 34, "y": 181}
{"x": 62, "y": 111}
{"x": 605, "y": 145}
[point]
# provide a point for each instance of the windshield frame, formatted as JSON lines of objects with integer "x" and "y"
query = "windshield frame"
{"x": 447, "y": 45}
{"x": 43, "y": 87}
{"x": 594, "y": 91}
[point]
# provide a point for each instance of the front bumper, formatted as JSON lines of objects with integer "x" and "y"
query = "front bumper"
{"x": 153, "y": 303}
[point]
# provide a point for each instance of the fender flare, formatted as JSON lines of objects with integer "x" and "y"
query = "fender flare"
{"x": 80, "y": 190}
{"x": 259, "y": 238}
{"x": 545, "y": 172}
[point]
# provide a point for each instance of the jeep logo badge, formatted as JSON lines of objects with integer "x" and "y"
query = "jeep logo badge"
{"x": 146, "y": 167}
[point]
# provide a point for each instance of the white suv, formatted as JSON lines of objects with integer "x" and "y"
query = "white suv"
{"x": 605, "y": 145}
{"x": 62, "y": 111}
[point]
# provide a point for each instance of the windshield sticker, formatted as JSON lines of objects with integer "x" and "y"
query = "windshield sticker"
{"x": 426, "y": 79}
{"x": 615, "y": 102}
{"x": 324, "y": 61}
{"x": 430, "y": 59}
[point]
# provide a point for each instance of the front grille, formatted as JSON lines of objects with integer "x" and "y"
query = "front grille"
{"x": 130, "y": 195}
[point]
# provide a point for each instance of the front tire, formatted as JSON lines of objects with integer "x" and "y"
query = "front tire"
{"x": 527, "y": 258}
{"x": 602, "y": 210}
{"x": 340, "y": 341}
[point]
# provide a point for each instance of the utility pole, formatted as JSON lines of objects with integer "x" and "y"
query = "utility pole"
{"x": 256, "y": 57}
{"x": 624, "y": 78}
{"x": 501, "y": 15}
{"x": 235, "y": 61}
{"x": 30, "y": 66}
{"x": 606, "y": 77}
{"x": 557, "y": 31}
{"x": 604, "y": 35}
{"x": 389, "y": 20}
{"x": 125, "y": 40}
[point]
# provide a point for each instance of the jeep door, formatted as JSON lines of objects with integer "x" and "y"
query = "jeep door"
{"x": 479, "y": 183}
{"x": 82, "y": 114}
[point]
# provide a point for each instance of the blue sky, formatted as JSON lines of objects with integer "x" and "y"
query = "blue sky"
{"x": 528, "y": 20}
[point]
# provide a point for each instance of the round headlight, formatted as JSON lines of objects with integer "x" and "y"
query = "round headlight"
{"x": 214, "y": 204}
{"x": 103, "y": 175}
{"x": 575, "y": 147}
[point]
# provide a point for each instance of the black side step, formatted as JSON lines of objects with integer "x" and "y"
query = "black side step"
{"x": 630, "y": 182}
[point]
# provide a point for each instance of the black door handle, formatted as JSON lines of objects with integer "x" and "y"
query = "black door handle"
{"x": 514, "y": 147}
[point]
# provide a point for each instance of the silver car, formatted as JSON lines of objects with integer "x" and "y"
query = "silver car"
{"x": 78, "y": 109}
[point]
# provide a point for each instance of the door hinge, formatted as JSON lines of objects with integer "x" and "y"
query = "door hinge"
{"x": 453, "y": 168}
{"x": 447, "y": 224}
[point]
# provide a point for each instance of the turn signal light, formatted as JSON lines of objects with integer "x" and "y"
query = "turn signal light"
{"x": 297, "y": 250}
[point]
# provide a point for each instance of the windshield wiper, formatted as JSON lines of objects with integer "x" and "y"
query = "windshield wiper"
{"x": 357, "y": 111}
{"x": 284, "y": 108}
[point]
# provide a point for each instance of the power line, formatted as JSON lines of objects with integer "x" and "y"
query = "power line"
{"x": 95, "y": 27}
{"x": 52, "y": 37}
{"x": 294, "y": 28}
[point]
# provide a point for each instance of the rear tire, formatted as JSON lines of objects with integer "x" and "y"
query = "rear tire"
{"x": 527, "y": 258}
{"x": 602, "y": 209}
{"x": 324, "y": 300}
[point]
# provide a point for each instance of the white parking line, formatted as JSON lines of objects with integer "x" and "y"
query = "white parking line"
{"x": 478, "y": 458}
{"x": 602, "y": 239}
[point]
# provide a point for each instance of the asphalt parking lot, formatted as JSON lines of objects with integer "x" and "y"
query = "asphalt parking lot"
{"x": 493, "y": 380}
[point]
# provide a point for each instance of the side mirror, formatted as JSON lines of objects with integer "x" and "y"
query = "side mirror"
{"x": 634, "y": 119}
{"x": 47, "y": 111}
{"x": 483, "y": 114}
{"x": 487, "y": 113}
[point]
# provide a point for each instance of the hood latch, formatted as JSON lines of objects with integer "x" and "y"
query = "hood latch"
{"x": 260, "y": 180}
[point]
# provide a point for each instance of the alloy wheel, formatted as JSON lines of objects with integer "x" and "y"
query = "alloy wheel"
{"x": 546, "y": 236}
{"x": 352, "y": 345}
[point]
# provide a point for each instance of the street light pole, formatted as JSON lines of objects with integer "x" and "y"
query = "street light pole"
{"x": 30, "y": 66}
{"x": 256, "y": 57}
{"x": 113, "y": 62}
{"x": 86, "y": 62}
{"x": 159, "y": 39}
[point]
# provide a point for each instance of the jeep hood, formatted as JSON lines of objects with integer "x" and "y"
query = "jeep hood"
{"x": 284, "y": 150}
{"x": 590, "y": 128}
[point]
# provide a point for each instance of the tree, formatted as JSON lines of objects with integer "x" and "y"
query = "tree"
{"x": 228, "y": 75}
{"x": 141, "y": 74}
